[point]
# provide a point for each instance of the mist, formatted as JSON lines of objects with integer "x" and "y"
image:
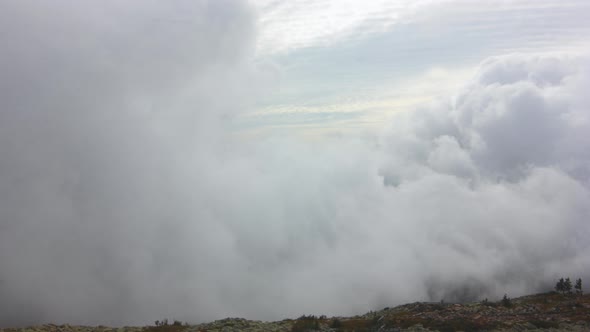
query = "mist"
{"x": 126, "y": 195}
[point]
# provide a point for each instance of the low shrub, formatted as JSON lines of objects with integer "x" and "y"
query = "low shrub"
{"x": 306, "y": 323}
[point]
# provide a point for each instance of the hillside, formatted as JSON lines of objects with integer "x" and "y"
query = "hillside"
{"x": 547, "y": 312}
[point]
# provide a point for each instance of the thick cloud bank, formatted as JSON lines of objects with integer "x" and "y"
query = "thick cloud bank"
{"x": 124, "y": 199}
{"x": 496, "y": 179}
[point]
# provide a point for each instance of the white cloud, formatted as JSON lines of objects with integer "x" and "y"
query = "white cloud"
{"x": 447, "y": 156}
{"x": 502, "y": 26}
{"x": 516, "y": 112}
{"x": 123, "y": 199}
{"x": 289, "y": 25}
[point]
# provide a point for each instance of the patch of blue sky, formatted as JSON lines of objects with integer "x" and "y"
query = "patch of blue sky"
{"x": 367, "y": 67}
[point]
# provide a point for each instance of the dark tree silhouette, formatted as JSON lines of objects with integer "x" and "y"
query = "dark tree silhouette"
{"x": 506, "y": 301}
{"x": 568, "y": 285}
{"x": 578, "y": 286}
{"x": 560, "y": 285}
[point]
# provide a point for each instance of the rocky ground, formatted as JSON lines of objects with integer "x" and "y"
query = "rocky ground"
{"x": 542, "y": 312}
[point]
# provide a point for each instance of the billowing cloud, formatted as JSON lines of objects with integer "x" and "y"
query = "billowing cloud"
{"x": 106, "y": 112}
{"x": 502, "y": 172}
{"x": 124, "y": 198}
{"x": 518, "y": 112}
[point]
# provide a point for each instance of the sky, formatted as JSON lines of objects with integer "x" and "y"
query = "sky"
{"x": 348, "y": 64}
{"x": 265, "y": 159}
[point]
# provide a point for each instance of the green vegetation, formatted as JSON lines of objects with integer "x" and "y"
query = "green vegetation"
{"x": 306, "y": 323}
{"x": 578, "y": 287}
{"x": 165, "y": 326}
{"x": 568, "y": 285}
{"x": 356, "y": 324}
{"x": 506, "y": 301}
{"x": 336, "y": 323}
{"x": 564, "y": 286}
{"x": 164, "y": 322}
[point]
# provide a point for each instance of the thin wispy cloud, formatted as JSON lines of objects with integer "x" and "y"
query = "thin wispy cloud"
{"x": 289, "y": 25}
{"x": 286, "y": 26}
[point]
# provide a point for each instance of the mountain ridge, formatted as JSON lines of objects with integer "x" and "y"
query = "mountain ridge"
{"x": 539, "y": 312}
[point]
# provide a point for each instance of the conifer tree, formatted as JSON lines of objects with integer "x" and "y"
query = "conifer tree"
{"x": 578, "y": 286}
{"x": 506, "y": 301}
{"x": 560, "y": 286}
{"x": 568, "y": 285}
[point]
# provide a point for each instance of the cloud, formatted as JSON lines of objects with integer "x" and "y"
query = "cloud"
{"x": 124, "y": 198}
{"x": 107, "y": 111}
{"x": 444, "y": 25}
{"x": 506, "y": 141}
{"x": 517, "y": 112}
{"x": 289, "y": 25}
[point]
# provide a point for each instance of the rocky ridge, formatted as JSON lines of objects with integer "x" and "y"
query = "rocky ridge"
{"x": 541, "y": 312}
